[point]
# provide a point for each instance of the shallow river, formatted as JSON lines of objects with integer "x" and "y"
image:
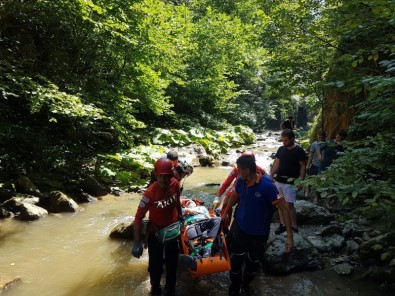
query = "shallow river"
{"x": 72, "y": 254}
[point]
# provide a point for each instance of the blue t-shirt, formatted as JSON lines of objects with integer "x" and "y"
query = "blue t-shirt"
{"x": 255, "y": 209}
{"x": 313, "y": 149}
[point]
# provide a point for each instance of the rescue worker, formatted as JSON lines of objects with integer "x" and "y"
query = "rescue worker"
{"x": 255, "y": 196}
{"x": 162, "y": 200}
{"x": 219, "y": 203}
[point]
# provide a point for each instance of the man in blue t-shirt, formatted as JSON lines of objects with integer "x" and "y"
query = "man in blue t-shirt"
{"x": 290, "y": 164}
{"x": 314, "y": 161}
{"x": 250, "y": 230}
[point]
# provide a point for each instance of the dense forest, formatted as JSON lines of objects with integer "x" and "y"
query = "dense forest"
{"x": 101, "y": 86}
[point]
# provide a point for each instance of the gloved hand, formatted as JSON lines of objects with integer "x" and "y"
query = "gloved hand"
{"x": 137, "y": 249}
{"x": 218, "y": 211}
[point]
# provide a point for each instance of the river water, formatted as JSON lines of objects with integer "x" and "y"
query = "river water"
{"x": 72, "y": 254}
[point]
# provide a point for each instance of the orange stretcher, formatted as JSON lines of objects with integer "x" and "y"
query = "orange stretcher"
{"x": 219, "y": 259}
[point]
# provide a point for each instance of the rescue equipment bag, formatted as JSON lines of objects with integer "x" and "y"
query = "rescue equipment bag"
{"x": 169, "y": 233}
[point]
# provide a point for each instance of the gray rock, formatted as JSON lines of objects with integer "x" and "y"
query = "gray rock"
{"x": 365, "y": 236}
{"x": 92, "y": 187}
{"x": 327, "y": 243}
{"x": 311, "y": 214}
{"x": 343, "y": 269}
{"x": 30, "y": 212}
{"x": 24, "y": 185}
{"x": 206, "y": 160}
{"x": 330, "y": 229}
{"x": 60, "y": 202}
{"x": 338, "y": 260}
{"x": 352, "y": 246}
{"x": 303, "y": 257}
{"x": 125, "y": 231}
{"x": 15, "y": 203}
{"x": 358, "y": 240}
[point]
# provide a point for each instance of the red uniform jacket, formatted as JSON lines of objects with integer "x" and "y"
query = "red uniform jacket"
{"x": 163, "y": 205}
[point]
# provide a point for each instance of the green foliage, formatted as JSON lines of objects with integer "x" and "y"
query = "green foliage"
{"x": 215, "y": 142}
{"x": 362, "y": 73}
{"x": 130, "y": 167}
{"x": 133, "y": 166}
{"x": 81, "y": 78}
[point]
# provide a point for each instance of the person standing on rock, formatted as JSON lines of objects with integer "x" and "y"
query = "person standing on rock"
{"x": 314, "y": 161}
{"x": 255, "y": 196}
{"x": 290, "y": 164}
{"x": 162, "y": 200}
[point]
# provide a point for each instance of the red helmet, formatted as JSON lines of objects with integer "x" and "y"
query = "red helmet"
{"x": 163, "y": 166}
{"x": 249, "y": 153}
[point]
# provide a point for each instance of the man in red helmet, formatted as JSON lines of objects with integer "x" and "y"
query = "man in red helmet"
{"x": 230, "y": 183}
{"x": 162, "y": 200}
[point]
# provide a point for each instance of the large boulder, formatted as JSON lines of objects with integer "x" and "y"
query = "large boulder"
{"x": 303, "y": 257}
{"x": 125, "y": 231}
{"x": 309, "y": 213}
{"x": 60, "y": 202}
{"x": 15, "y": 203}
{"x": 93, "y": 187}
{"x": 30, "y": 212}
{"x": 24, "y": 185}
{"x": 327, "y": 243}
{"x": 206, "y": 160}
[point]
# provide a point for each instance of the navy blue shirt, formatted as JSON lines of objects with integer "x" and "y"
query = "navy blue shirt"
{"x": 255, "y": 209}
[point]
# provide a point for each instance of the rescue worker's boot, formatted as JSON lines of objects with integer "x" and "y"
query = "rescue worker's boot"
{"x": 169, "y": 291}
{"x": 235, "y": 280}
{"x": 156, "y": 290}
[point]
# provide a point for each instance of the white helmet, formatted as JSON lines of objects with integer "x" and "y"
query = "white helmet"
{"x": 185, "y": 167}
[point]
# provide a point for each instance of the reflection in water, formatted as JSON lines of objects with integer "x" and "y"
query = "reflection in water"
{"x": 72, "y": 254}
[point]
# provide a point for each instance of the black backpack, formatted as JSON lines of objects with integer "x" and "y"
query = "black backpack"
{"x": 330, "y": 151}
{"x": 286, "y": 124}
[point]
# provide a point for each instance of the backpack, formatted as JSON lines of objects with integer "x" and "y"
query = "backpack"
{"x": 330, "y": 151}
{"x": 286, "y": 124}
